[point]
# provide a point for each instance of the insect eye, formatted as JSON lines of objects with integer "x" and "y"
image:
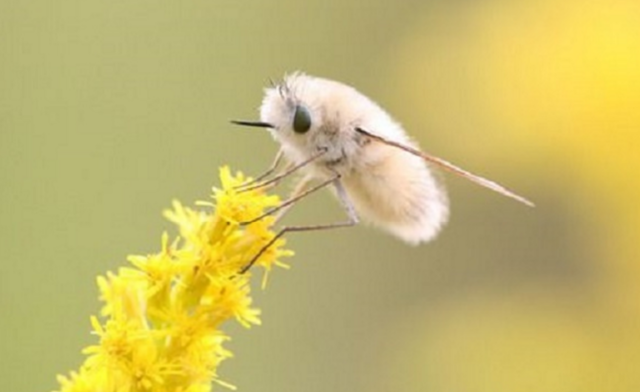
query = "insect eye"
{"x": 301, "y": 120}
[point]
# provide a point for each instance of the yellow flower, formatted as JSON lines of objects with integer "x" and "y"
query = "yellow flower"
{"x": 161, "y": 315}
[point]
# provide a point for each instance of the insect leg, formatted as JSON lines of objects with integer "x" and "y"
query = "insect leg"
{"x": 287, "y": 172}
{"x": 267, "y": 173}
{"x": 344, "y": 200}
{"x": 300, "y": 187}
{"x": 299, "y": 193}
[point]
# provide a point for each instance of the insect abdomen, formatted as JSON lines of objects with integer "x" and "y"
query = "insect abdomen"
{"x": 400, "y": 195}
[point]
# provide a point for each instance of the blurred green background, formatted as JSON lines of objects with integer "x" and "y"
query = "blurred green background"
{"x": 110, "y": 109}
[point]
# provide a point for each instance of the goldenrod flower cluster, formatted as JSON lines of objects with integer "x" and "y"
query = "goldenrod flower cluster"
{"x": 160, "y": 325}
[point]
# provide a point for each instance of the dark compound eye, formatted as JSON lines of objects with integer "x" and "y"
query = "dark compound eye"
{"x": 301, "y": 120}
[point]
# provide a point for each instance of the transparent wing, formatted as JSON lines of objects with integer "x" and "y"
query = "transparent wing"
{"x": 494, "y": 186}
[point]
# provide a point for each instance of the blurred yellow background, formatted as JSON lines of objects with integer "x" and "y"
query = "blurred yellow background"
{"x": 108, "y": 110}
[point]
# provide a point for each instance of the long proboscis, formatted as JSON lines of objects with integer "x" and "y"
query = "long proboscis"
{"x": 494, "y": 186}
{"x": 255, "y": 124}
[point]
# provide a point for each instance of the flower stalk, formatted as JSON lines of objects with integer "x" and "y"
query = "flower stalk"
{"x": 160, "y": 324}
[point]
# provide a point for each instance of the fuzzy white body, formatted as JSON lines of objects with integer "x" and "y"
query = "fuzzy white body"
{"x": 388, "y": 187}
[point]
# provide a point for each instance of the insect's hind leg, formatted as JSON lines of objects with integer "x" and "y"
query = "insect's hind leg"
{"x": 344, "y": 200}
{"x": 299, "y": 192}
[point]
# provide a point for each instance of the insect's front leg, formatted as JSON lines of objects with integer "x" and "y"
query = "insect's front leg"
{"x": 274, "y": 165}
{"x": 289, "y": 169}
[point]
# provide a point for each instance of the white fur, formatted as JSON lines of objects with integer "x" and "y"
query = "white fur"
{"x": 389, "y": 187}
